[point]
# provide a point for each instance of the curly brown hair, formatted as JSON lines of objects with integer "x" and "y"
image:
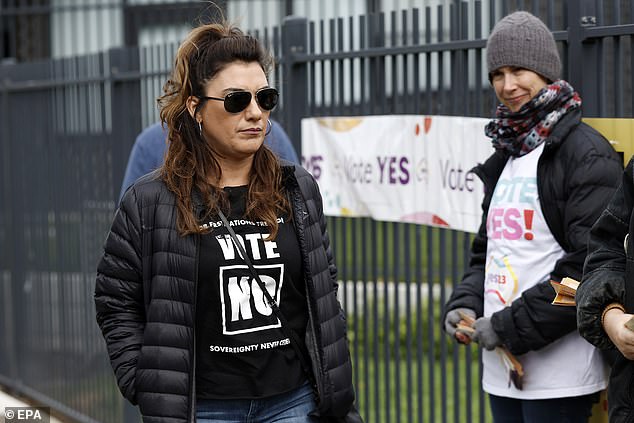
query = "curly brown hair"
{"x": 190, "y": 162}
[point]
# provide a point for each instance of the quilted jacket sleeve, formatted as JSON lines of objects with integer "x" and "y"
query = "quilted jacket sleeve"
{"x": 332, "y": 268}
{"x": 119, "y": 294}
{"x": 333, "y": 366}
{"x": 341, "y": 374}
{"x": 604, "y": 271}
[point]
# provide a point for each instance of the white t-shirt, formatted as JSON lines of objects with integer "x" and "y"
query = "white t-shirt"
{"x": 521, "y": 252}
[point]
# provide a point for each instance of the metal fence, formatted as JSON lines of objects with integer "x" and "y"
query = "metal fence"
{"x": 67, "y": 127}
{"x": 44, "y": 29}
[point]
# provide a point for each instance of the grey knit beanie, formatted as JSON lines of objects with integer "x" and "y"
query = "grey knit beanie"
{"x": 521, "y": 39}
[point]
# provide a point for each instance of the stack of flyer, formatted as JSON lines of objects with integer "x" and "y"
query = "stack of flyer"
{"x": 566, "y": 290}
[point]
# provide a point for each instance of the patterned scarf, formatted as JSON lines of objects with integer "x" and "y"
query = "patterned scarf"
{"x": 519, "y": 133}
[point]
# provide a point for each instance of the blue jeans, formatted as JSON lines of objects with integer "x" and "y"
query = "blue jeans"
{"x": 289, "y": 407}
{"x": 560, "y": 410}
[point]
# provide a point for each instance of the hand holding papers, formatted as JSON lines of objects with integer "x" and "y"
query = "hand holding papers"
{"x": 514, "y": 367}
{"x": 566, "y": 290}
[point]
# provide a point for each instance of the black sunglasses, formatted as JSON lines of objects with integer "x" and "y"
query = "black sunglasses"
{"x": 237, "y": 101}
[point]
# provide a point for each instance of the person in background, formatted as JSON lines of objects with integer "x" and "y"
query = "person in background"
{"x": 605, "y": 297}
{"x": 216, "y": 291}
{"x": 149, "y": 148}
{"x": 547, "y": 182}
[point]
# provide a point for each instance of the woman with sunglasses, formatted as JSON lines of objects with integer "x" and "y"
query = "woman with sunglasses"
{"x": 216, "y": 292}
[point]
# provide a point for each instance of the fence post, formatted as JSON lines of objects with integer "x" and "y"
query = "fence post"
{"x": 12, "y": 245}
{"x": 125, "y": 86}
{"x": 295, "y": 77}
{"x": 583, "y": 55}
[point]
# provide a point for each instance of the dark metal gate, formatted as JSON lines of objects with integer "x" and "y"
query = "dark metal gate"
{"x": 66, "y": 128}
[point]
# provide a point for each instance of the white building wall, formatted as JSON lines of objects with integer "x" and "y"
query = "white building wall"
{"x": 76, "y": 31}
{"x": 255, "y": 14}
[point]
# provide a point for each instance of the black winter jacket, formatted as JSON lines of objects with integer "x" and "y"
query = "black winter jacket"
{"x": 609, "y": 277}
{"x": 145, "y": 297}
{"x": 576, "y": 177}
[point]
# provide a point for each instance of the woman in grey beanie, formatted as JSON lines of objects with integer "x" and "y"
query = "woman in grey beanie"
{"x": 546, "y": 183}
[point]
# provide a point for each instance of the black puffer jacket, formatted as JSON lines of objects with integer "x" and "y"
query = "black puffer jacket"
{"x": 609, "y": 277}
{"x": 145, "y": 296}
{"x": 577, "y": 174}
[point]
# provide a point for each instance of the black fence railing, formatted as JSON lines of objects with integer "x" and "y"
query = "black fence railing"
{"x": 67, "y": 127}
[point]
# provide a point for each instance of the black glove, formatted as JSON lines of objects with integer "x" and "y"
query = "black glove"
{"x": 485, "y": 335}
{"x": 453, "y": 318}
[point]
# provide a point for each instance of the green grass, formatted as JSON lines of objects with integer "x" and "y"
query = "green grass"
{"x": 413, "y": 400}
{"x": 400, "y": 373}
{"x": 369, "y": 250}
{"x": 407, "y": 370}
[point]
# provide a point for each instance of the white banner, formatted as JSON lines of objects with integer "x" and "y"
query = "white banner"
{"x": 399, "y": 168}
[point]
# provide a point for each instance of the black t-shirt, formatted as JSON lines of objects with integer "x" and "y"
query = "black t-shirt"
{"x": 241, "y": 349}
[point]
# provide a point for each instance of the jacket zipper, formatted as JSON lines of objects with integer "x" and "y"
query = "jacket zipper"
{"x": 192, "y": 375}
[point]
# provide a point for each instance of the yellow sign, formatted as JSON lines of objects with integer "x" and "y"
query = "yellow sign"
{"x": 620, "y": 133}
